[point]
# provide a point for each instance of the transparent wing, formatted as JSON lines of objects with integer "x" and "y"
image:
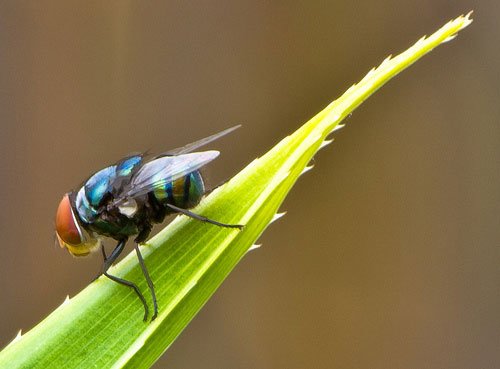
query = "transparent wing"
{"x": 197, "y": 144}
{"x": 164, "y": 169}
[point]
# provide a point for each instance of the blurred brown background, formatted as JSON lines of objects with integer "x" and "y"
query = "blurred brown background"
{"x": 389, "y": 255}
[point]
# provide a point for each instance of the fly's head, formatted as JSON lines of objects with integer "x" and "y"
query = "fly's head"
{"x": 70, "y": 233}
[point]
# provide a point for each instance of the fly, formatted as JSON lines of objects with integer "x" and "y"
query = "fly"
{"x": 127, "y": 198}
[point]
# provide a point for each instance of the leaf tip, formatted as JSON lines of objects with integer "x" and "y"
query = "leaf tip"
{"x": 462, "y": 22}
{"x": 467, "y": 18}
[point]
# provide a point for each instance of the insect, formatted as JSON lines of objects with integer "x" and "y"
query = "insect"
{"x": 127, "y": 198}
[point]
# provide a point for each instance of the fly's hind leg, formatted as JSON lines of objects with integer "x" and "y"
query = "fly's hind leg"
{"x": 149, "y": 281}
{"x": 202, "y": 218}
{"x": 141, "y": 237}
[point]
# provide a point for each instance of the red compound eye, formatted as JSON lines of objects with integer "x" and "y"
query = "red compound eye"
{"x": 66, "y": 226}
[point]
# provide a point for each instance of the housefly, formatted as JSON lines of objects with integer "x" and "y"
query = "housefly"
{"x": 127, "y": 198}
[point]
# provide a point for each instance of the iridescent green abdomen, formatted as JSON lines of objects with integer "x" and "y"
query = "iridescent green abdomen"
{"x": 185, "y": 192}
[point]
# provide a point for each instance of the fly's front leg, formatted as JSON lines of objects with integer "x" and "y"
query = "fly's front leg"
{"x": 108, "y": 261}
{"x": 104, "y": 258}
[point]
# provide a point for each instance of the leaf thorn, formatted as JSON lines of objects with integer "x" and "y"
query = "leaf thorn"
{"x": 254, "y": 247}
{"x": 277, "y": 216}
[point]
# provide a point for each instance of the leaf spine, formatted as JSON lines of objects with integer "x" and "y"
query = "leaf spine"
{"x": 325, "y": 143}
{"x": 277, "y": 216}
{"x": 254, "y": 247}
{"x": 307, "y": 169}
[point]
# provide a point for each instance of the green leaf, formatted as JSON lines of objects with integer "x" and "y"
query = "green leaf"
{"x": 102, "y": 326}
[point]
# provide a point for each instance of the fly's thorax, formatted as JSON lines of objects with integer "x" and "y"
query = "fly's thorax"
{"x": 115, "y": 226}
{"x": 121, "y": 220}
{"x": 185, "y": 192}
{"x": 117, "y": 221}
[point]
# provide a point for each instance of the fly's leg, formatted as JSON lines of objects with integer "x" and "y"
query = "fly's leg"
{"x": 136, "y": 289}
{"x": 202, "y": 218}
{"x": 108, "y": 261}
{"x": 150, "y": 282}
{"x": 103, "y": 251}
{"x": 104, "y": 257}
